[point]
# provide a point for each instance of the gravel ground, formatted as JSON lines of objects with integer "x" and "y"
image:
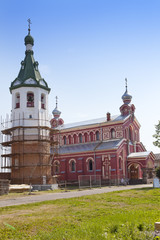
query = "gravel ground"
{"x": 54, "y": 196}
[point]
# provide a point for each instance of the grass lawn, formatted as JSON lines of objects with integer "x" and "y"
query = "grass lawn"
{"x": 126, "y": 215}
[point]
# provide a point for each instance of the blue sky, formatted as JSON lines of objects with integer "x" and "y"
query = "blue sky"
{"x": 85, "y": 50}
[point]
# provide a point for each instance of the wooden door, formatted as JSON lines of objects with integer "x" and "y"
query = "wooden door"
{"x": 133, "y": 172}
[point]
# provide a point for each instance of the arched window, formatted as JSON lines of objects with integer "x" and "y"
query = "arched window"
{"x": 90, "y": 165}
{"x": 91, "y": 136}
{"x": 97, "y": 136}
{"x": 64, "y": 140}
{"x": 86, "y": 137}
{"x": 43, "y": 101}
{"x": 17, "y": 100}
{"x": 56, "y": 167}
{"x": 72, "y": 164}
{"x": 113, "y": 133}
{"x": 74, "y": 138}
{"x": 69, "y": 139}
{"x": 30, "y": 99}
{"x": 80, "y": 138}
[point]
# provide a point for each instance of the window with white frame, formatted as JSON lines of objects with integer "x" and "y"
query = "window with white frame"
{"x": 72, "y": 164}
{"x": 113, "y": 133}
{"x": 90, "y": 165}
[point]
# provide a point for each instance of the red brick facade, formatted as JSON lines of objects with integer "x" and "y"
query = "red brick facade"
{"x": 101, "y": 147}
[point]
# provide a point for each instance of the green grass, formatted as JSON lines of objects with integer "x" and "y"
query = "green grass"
{"x": 118, "y": 215}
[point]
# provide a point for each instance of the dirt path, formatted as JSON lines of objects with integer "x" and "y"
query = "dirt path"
{"x": 54, "y": 196}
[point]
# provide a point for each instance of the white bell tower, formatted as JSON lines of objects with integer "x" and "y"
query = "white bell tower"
{"x": 30, "y": 131}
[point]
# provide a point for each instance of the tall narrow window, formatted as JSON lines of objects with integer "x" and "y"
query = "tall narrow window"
{"x": 73, "y": 166}
{"x": 97, "y": 136}
{"x": 91, "y": 136}
{"x": 75, "y": 138}
{"x": 80, "y": 138}
{"x": 86, "y": 137}
{"x": 113, "y": 133}
{"x": 69, "y": 139}
{"x": 17, "y": 100}
{"x": 30, "y": 99}
{"x": 64, "y": 140}
{"x": 43, "y": 101}
{"x": 90, "y": 165}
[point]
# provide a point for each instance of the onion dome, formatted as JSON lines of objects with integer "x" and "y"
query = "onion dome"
{"x": 56, "y": 113}
{"x": 29, "y": 39}
{"x": 126, "y": 97}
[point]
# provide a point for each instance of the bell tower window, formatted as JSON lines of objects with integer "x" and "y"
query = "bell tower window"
{"x": 30, "y": 99}
{"x": 17, "y": 100}
{"x": 43, "y": 101}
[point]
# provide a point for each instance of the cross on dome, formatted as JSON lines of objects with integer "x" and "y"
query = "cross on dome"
{"x": 29, "y": 25}
{"x": 126, "y": 83}
{"x": 126, "y": 96}
{"x": 56, "y": 113}
{"x": 56, "y": 101}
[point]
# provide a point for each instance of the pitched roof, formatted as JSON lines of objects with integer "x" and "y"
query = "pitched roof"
{"x": 29, "y": 74}
{"x": 92, "y": 122}
{"x": 139, "y": 154}
{"x": 93, "y": 146}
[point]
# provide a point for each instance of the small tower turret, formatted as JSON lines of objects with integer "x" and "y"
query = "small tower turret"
{"x": 127, "y": 108}
{"x": 126, "y": 97}
{"x": 56, "y": 113}
{"x": 56, "y": 120}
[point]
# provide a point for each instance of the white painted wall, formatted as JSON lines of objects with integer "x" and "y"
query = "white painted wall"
{"x": 21, "y": 116}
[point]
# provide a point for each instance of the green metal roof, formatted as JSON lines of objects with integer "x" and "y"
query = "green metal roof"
{"x": 29, "y": 75}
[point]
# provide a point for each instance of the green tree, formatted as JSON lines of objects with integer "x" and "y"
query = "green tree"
{"x": 157, "y": 135}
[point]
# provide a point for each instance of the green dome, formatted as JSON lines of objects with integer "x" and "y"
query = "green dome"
{"x": 29, "y": 40}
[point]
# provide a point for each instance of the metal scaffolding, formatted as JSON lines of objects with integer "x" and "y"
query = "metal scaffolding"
{"x": 25, "y": 149}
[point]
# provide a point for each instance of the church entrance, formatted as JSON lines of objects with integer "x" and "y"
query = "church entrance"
{"x": 134, "y": 172}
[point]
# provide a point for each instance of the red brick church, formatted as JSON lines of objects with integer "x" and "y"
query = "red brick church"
{"x": 109, "y": 147}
